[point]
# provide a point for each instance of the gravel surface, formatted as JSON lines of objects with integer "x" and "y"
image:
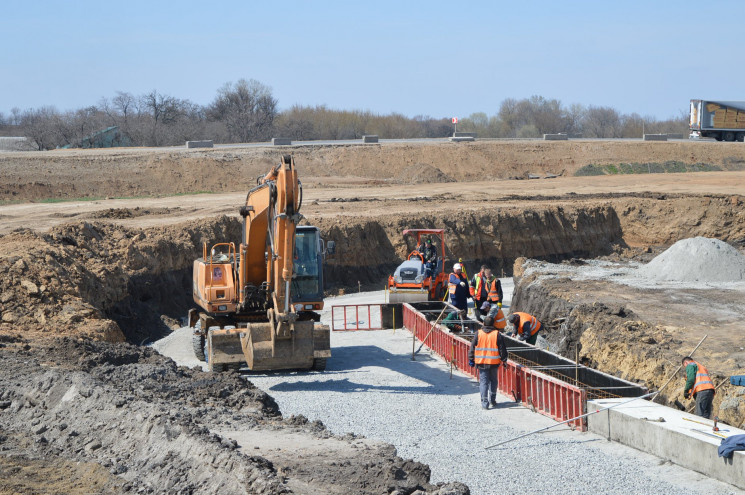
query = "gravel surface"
{"x": 373, "y": 388}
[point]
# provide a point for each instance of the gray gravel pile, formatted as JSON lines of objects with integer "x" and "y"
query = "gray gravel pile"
{"x": 372, "y": 387}
{"x": 698, "y": 259}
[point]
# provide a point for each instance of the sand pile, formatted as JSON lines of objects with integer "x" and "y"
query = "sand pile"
{"x": 422, "y": 173}
{"x": 698, "y": 259}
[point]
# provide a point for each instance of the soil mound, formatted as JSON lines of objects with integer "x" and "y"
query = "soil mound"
{"x": 422, "y": 173}
{"x": 698, "y": 259}
{"x": 116, "y": 418}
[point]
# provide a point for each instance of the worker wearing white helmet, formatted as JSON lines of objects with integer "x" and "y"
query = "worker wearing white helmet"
{"x": 458, "y": 288}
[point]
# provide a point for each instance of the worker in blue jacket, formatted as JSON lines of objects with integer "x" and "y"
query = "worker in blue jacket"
{"x": 458, "y": 288}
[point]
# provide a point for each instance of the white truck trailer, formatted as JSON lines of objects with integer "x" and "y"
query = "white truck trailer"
{"x": 721, "y": 120}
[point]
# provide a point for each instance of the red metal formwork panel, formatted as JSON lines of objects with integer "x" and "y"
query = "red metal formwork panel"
{"x": 545, "y": 394}
{"x": 350, "y": 317}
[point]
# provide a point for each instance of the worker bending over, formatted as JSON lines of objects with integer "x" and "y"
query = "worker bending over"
{"x": 458, "y": 288}
{"x": 487, "y": 352}
{"x": 454, "y": 320}
{"x": 525, "y": 326}
{"x": 699, "y": 386}
{"x": 495, "y": 313}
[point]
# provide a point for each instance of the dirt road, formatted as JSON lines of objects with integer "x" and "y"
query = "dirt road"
{"x": 328, "y": 201}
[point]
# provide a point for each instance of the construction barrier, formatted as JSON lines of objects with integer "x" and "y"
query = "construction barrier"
{"x": 542, "y": 393}
{"x": 351, "y": 317}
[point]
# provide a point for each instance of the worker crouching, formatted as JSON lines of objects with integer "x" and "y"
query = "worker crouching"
{"x": 487, "y": 352}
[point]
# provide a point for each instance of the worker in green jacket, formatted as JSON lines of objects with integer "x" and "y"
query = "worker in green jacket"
{"x": 699, "y": 386}
{"x": 454, "y": 320}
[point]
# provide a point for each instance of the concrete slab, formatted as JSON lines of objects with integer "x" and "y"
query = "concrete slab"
{"x": 281, "y": 141}
{"x": 461, "y": 139}
{"x": 682, "y": 438}
{"x": 370, "y": 138}
{"x": 208, "y": 143}
{"x": 655, "y": 137}
{"x": 555, "y": 137}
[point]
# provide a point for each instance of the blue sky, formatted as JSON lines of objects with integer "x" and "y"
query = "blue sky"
{"x": 432, "y": 58}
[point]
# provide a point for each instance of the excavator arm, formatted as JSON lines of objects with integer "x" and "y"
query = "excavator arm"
{"x": 271, "y": 214}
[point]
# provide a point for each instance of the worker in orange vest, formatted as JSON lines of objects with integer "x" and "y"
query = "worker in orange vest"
{"x": 480, "y": 285}
{"x": 458, "y": 288}
{"x": 525, "y": 326}
{"x": 487, "y": 352}
{"x": 699, "y": 386}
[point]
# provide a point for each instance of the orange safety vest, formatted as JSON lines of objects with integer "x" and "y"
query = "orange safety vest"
{"x": 703, "y": 381}
{"x": 500, "y": 322}
{"x": 535, "y": 325}
{"x": 493, "y": 294}
{"x": 452, "y": 286}
{"x": 476, "y": 290}
{"x": 487, "y": 348}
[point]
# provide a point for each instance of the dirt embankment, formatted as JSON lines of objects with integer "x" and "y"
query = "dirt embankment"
{"x": 641, "y": 334}
{"x": 115, "y": 283}
{"x": 100, "y": 280}
{"x": 81, "y": 417}
{"x": 152, "y": 172}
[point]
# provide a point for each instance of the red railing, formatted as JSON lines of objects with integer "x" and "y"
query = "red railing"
{"x": 547, "y": 395}
{"x": 356, "y": 317}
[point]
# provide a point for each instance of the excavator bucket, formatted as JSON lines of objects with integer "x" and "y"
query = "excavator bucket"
{"x": 302, "y": 345}
{"x": 224, "y": 349}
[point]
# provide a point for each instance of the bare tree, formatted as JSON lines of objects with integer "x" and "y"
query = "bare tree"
{"x": 574, "y": 117}
{"x": 602, "y": 122}
{"x": 38, "y": 126}
{"x": 162, "y": 110}
{"x": 247, "y": 108}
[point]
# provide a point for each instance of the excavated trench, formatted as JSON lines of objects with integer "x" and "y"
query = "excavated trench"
{"x": 115, "y": 283}
{"x": 119, "y": 284}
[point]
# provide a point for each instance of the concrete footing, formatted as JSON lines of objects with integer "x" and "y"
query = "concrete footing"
{"x": 655, "y": 137}
{"x": 669, "y": 434}
{"x": 200, "y": 144}
{"x": 372, "y": 138}
{"x": 555, "y": 137}
{"x": 281, "y": 141}
{"x": 461, "y": 139}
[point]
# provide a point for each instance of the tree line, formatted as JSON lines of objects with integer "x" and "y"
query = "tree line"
{"x": 246, "y": 111}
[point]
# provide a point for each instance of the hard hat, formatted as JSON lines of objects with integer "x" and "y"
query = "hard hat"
{"x": 457, "y": 266}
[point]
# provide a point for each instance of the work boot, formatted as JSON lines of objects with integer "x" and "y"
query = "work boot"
{"x": 484, "y": 405}
{"x": 493, "y": 403}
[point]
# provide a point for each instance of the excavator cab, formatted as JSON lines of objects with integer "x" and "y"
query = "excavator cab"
{"x": 307, "y": 278}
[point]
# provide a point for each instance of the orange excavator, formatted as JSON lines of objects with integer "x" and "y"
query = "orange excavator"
{"x": 259, "y": 301}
